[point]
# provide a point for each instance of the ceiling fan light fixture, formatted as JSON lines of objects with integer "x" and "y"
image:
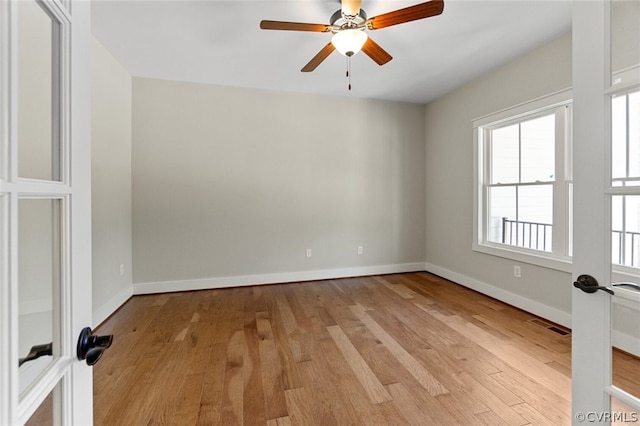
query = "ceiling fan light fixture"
{"x": 349, "y": 42}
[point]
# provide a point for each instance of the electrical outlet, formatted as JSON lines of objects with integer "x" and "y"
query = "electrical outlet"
{"x": 121, "y": 269}
{"x": 516, "y": 271}
{"x": 360, "y": 249}
{"x": 308, "y": 252}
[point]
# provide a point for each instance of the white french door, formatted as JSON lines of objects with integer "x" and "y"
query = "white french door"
{"x": 606, "y": 161}
{"x": 45, "y": 229}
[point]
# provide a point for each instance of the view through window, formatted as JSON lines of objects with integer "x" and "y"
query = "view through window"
{"x": 625, "y": 168}
{"x": 524, "y": 180}
{"x": 521, "y": 178}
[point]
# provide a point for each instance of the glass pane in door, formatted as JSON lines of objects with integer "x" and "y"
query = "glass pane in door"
{"x": 625, "y": 41}
{"x": 625, "y": 207}
{"x": 625, "y": 235}
{"x": 621, "y": 414}
{"x": 39, "y": 275}
{"x": 625, "y": 337}
{"x": 49, "y": 412}
{"x": 625, "y": 139}
{"x": 625, "y": 304}
{"x": 38, "y": 88}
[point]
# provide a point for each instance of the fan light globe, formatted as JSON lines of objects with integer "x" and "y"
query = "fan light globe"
{"x": 349, "y": 42}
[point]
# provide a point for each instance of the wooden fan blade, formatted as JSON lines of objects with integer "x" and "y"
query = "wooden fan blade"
{"x": 351, "y": 7}
{"x": 375, "y": 52}
{"x": 408, "y": 14}
{"x": 294, "y": 26}
{"x": 317, "y": 60}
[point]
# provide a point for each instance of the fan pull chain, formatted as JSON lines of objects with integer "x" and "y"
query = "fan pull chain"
{"x": 349, "y": 70}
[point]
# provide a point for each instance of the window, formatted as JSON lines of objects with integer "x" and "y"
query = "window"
{"x": 625, "y": 172}
{"x": 522, "y": 203}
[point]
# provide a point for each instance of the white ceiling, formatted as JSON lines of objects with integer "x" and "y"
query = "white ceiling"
{"x": 220, "y": 42}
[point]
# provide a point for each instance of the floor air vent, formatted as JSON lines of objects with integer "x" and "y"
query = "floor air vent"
{"x": 550, "y": 326}
{"x": 559, "y": 330}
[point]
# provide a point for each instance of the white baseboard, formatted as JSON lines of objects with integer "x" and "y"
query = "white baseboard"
{"x": 284, "y": 277}
{"x": 101, "y": 313}
{"x": 531, "y": 306}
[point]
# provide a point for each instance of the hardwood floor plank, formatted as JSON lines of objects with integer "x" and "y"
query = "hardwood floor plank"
{"x": 425, "y": 378}
{"x": 320, "y": 396}
{"x": 415, "y": 410}
{"x": 491, "y": 418}
{"x": 402, "y": 291}
{"x": 557, "y": 410}
{"x": 463, "y": 410}
{"x": 382, "y": 362}
{"x": 109, "y": 395}
{"x": 533, "y": 416}
{"x": 233, "y": 391}
{"x": 188, "y": 404}
{"x": 300, "y": 412}
{"x": 346, "y": 387}
{"x": 211, "y": 398}
{"x": 273, "y": 386}
{"x": 372, "y": 386}
{"x": 253, "y": 398}
{"x": 281, "y": 421}
{"x": 498, "y": 406}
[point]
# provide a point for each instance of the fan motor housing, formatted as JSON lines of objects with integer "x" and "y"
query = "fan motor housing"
{"x": 342, "y": 22}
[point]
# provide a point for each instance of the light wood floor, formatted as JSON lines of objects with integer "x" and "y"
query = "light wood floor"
{"x": 394, "y": 349}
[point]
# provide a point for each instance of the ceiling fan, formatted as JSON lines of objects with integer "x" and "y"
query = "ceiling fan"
{"x": 348, "y": 26}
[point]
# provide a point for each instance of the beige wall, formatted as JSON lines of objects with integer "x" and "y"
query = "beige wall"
{"x": 449, "y": 175}
{"x": 111, "y": 182}
{"x": 232, "y": 182}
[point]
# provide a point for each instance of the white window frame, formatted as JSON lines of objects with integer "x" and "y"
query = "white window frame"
{"x": 559, "y": 258}
{"x": 622, "y": 87}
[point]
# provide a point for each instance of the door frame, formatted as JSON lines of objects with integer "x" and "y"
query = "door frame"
{"x": 74, "y": 127}
{"x": 592, "y": 387}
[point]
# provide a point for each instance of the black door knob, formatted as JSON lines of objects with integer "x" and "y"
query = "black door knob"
{"x": 91, "y": 347}
{"x": 588, "y": 284}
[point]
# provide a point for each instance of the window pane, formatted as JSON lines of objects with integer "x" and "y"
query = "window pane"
{"x": 39, "y": 269}
{"x": 538, "y": 149}
{"x": 617, "y": 230}
{"x": 38, "y": 153}
{"x": 535, "y": 214}
{"x": 619, "y": 137}
{"x": 504, "y": 155}
{"x": 625, "y": 137}
{"x": 625, "y": 226}
{"x": 634, "y": 134}
{"x": 502, "y": 208}
{"x": 535, "y": 204}
{"x": 616, "y": 215}
{"x": 632, "y": 213}
{"x": 632, "y": 231}
{"x": 625, "y": 36}
{"x": 50, "y": 411}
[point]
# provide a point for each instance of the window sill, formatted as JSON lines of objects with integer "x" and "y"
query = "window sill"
{"x": 619, "y": 273}
{"x": 625, "y": 273}
{"x": 526, "y": 256}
